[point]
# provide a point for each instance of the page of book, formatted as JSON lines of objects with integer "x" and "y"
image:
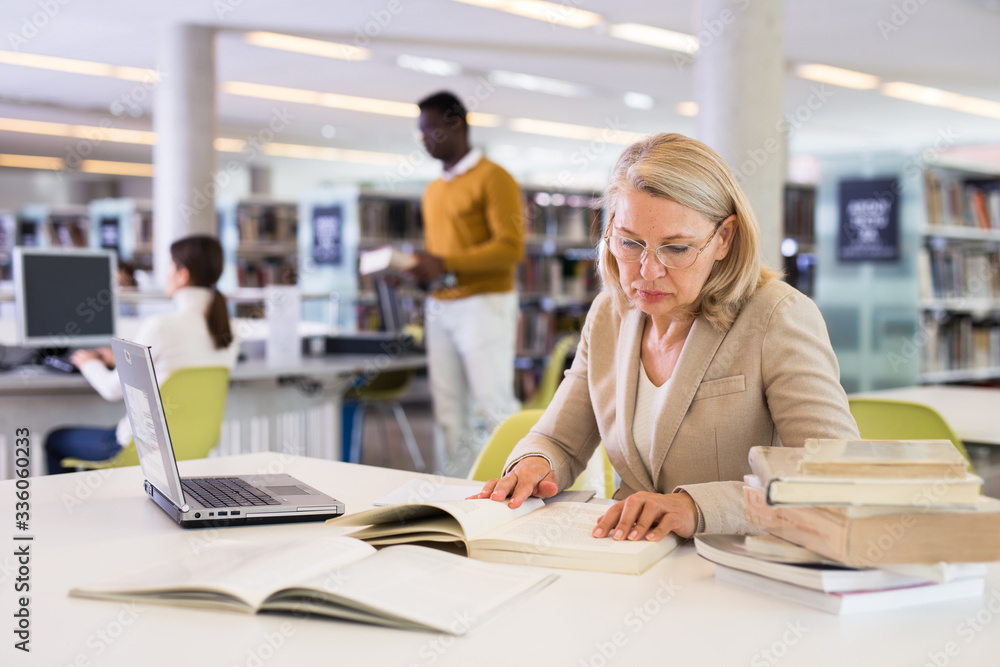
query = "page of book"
{"x": 247, "y": 570}
{"x": 561, "y": 533}
{"x": 429, "y": 588}
{"x": 476, "y": 517}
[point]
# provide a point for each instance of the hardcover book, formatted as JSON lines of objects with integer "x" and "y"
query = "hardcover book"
{"x": 551, "y": 535}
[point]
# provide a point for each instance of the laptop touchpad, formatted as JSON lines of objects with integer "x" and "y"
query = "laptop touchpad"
{"x": 288, "y": 491}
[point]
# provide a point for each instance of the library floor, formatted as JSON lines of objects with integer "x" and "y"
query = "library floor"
{"x": 382, "y": 444}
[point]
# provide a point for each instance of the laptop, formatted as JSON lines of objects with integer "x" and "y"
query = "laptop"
{"x": 204, "y": 501}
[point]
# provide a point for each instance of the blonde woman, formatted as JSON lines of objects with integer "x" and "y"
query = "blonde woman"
{"x": 693, "y": 353}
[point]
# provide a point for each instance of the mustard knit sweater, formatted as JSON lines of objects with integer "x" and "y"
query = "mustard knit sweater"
{"x": 475, "y": 224}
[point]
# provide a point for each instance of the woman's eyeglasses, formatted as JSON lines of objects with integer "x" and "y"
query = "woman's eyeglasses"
{"x": 671, "y": 255}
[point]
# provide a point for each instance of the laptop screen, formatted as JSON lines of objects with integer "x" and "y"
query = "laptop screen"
{"x": 145, "y": 414}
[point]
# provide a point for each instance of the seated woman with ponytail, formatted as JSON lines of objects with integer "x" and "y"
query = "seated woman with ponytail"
{"x": 196, "y": 333}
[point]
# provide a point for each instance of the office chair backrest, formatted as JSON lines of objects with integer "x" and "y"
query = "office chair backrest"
{"x": 194, "y": 400}
{"x": 552, "y": 375}
{"x": 886, "y": 419}
{"x": 490, "y": 462}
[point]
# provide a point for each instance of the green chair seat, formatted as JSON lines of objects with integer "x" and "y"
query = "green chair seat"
{"x": 194, "y": 401}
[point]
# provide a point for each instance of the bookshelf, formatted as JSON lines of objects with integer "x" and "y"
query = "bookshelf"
{"x": 798, "y": 247}
{"x": 389, "y": 219}
{"x": 125, "y": 225}
{"x": 8, "y": 238}
{"x": 45, "y": 225}
{"x": 558, "y": 279}
{"x": 959, "y": 275}
{"x": 259, "y": 241}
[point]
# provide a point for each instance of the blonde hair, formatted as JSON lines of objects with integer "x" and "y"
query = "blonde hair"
{"x": 693, "y": 175}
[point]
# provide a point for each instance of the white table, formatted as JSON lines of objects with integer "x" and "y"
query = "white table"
{"x": 674, "y": 614}
{"x": 973, "y": 412}
{"x": 293, "y": 408}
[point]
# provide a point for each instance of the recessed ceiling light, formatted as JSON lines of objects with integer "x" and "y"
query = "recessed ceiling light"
{"x": 639, "y": 100}
{"x": 73, "y": 66}
{"x": 332, "y": 100}
{"x": 434, "y": 66}
{"x": 687, "y": 109}
{"x": 835, "y": 76}
{"x": 480, "y": 119}
{"x": 30, "y": 162}
{"x": 550, "y": 12}
{"x": 652, "y": 36}
{"x": 117, "y": 168}
{"x": 936, "y": 97}
{"x": 312, "y": 47}
{"x": 92, "y": 132}
{"x": 570, "y": 131}
{"x": 538, "y": 84}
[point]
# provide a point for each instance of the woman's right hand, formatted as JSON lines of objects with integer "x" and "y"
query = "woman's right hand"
{"x": 531, "y": 476}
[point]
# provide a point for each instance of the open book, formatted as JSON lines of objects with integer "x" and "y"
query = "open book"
{"x": 331, "y": 576}
{"x": 551, "y": 535}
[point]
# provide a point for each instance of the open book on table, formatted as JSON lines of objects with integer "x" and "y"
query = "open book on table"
{"x": 550, "y": 535}
{"x": 332, "y": 576}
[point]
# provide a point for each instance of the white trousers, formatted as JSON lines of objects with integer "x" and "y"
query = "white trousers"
{"x": 470, "y": 359}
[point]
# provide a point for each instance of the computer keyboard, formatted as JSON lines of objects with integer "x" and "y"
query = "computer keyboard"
{"x": 225, "y": 492}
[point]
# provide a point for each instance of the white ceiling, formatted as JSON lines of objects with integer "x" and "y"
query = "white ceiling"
{"x": 949, "y": 44}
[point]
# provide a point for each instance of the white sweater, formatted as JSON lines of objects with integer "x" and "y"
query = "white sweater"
{"x": 179, "y": 339}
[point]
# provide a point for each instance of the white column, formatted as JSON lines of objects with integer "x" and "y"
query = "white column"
{"x": 739, "y": 88}
{"x": 184, "y": 155}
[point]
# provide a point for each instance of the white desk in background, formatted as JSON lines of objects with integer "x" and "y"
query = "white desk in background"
{"x": 972, "y": 412}
{"x": 89, "y": 523}
{"x": 293, "y": 408}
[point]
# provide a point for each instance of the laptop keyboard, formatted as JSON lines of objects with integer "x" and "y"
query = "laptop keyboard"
{"x": 226, "y": 492}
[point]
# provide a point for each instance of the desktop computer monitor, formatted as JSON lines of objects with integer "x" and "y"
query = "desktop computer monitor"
{"x": 65, "y": 297}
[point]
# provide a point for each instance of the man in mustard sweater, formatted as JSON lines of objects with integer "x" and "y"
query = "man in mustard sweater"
{"x": 474, "y": 240}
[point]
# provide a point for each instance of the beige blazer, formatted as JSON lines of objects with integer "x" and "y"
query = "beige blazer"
{"x": 772, "y": 379}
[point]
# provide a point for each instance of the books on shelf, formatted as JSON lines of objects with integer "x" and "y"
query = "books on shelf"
{"x": 333, "y": 576}
{"x": 882, "y": 458}
{"x": 829, "y": 586}
{"x": 782, "y": 480}
{"x": 878, "y": 535}
{"x": 557, "y": 534}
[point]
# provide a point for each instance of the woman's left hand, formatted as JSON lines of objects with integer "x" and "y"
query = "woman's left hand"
{"x": 649, "y": 516}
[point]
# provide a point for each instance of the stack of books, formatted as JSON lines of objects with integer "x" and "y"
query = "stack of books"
{"x": 862, "y": 525}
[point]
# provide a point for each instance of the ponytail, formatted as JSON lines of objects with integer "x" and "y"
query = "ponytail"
{"x": 202, "y": 257}
{"x": 217, "y": 319}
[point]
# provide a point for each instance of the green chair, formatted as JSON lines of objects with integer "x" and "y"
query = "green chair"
{"x": 552, "y": 375}
{"x": 383, "y": 393}
{"x": 194, "y": 401}
{"x": 489, "y": 463}
{"x": 886, "y": 419}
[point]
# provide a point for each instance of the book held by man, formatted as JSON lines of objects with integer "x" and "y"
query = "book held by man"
{"x": 550, "y": 535}
{"x": 783, "y": 481}
{"x": 383, "y": 259}
{"x": 330, "y": 575}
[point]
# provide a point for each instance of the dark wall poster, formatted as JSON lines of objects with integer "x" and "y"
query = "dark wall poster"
{"x": 869, "y": 221}
{"x": 328, "y": 232}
